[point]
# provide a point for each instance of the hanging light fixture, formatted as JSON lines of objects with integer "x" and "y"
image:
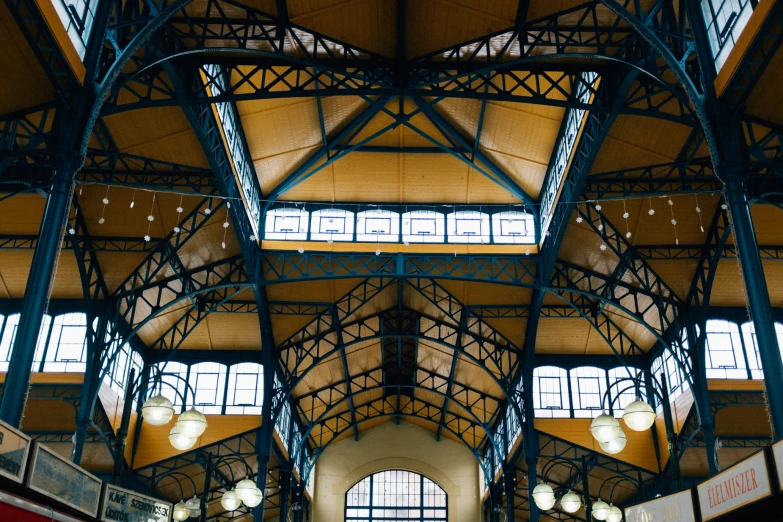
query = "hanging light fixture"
{"x": 180, "y": 441}
{"x": 571, "y": 502}
{"x": 246, "y": 490}
{"x": 544, "y": 497}
{"x": 194, "y": 507}
{"x": 180, "y": 512}
{"x": 254, "y": 498}
{"x": 615, "y": 446}
{"x": 192, "y": 423}
{"x": 639, "y": 416}
{"x": 600, "y": 510}
{"x": 230, "y": 501}
{"x": 605, "y": 428}
{"x": 615, "y": 515}
{"x": 157, "y": 410}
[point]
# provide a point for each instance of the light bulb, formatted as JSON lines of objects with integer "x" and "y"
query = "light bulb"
{"x": 180, "y": 441}
{"x": 230, "y": 501}
{"x": 192, "y": 423}
{"x": 246, "y": 490}
{"x": 605, "y": 428}
{"x": 255, "y": 498}
{"x": 571, "y": 502}
{"x": 615, "y": 446}
{"x": 157, "y": 410}
{"x": 639, "y": 416}
{"x": 180, "y": 512}
{"x": 600, "y": 510}
{"x": 615, "y": 515}
{"x": 544, "y": 497}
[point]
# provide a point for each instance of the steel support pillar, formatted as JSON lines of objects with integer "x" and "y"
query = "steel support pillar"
{"x": 36, "y": 295}
{"x": 265, "y": 433}
{"x": 756, "y": 292}
{"x": 285, "y": 490}
{"x": 510, "y": 485}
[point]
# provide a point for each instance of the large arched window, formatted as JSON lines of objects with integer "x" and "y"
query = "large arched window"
{"x": 752, "y": 348}
{"x": 286, "y": 224}
{"x": 175, "y": 377}
{"x": 623, "y": 393}
{"x": 245, "y": 389}
{"x": 588, "y": 386}
{"x": 725, "y": 357}
{"x": 423, "y": 226}
{"x": 550, "y": 392}
{"x": 468, "y": 226}
{"x": 9, "y": 334}
{"x": 208, "y": 380}
{"x": 513, "y": 227}
{"x": 396, "y": 495}
{"x": 378, "y": 225}
{"x": 67, "y": 347}
{"x": 332, "y": 224}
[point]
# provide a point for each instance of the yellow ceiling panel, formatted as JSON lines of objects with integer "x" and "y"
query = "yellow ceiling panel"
{"x": 438, "y": 178}
{"x": 519, "y": 132}
{"x": 556, "y": 335}
{"x": 116, "y": 266}
{"x": 582, "y": 247}
{"x": 234, "y": 332}
{"x": 527, "y": 174}
{"x": 484, "y": 190}
{"x": 766, "y": 222}
{"x": 162, "y": 133}
{"x": 273, "y": 170}
{"x": 765, "y": 100}
{"x": 463, "y": 114}
{"x": 158, "y": 325}
{"x": 339, "y": 110}
{"x": 22, "y": 214}
{"x": 284, "y": 129}
{"x": 366, "y": 176}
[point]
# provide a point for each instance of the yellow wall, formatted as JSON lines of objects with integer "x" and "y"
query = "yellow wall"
{"x": 392, "y": 446}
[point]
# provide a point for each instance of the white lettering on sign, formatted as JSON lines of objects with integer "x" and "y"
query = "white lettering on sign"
{"x": 673, "y": 508}
{"x": 122, "y": 505}
{"x": 742, "y": 484}
{"x": 777, "y": 452}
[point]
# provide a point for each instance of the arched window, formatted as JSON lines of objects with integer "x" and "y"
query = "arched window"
{"x": 513, "y": 227}
{"x": 588, "y": 386}
{"x": 126, "y": 358}
{"x": 623, "y": 393}
{"x": 378, "y": 225}
{"x": 665, "y": 363}
{"x": 725, "y": 357}
{"x": 550, "y": 392}
{"x": 283, "y": 424}
{"x": 9, "y": 334}
{"x": 332, "y": 225}
{"x": 208, "y": 380}
{"x": 245, "y": 389}
{"x": 752, "y": 348}
{"x": 67, "y": 347}
{"x": 423, "y": 226}
{"x": 286, "y": 224}
{"x": 396, "y": 495}
{"x": 175, "y": 375}
{"x": 468, "y": 226}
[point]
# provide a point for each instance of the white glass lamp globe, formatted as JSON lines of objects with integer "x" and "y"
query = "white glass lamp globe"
{"x": 157, "y": 410}
{"x": 605, "y": 428}
{"x": 600, "y": 510}
{"x": 255, "y": 498}
{"x": 615, "y": 515}
{"x": 639, "y": 416}
{"x": 230, "y": 500}
{"x": 192, "y": 423}
{"x": 180, "y": 512}
{"x": 571, "y": 502}
{"x": 194, "y": 507}
{"x": 616, "y": 446}
{"x": 180, "y": 441}
{"x": 245, "y": 490}
{"x": 544, "y": 497}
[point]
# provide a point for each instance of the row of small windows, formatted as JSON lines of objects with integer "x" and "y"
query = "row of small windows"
{"x": 725, "y": 21}
{"x": 385, "y": 226}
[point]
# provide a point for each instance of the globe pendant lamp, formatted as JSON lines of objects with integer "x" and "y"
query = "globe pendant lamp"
{"x": 615, "y": 515}
{"x": 639, "y": 416}
{"x": 230, "y": 500}
{"x": 571, "y": 502}
{"x": 544, "y": 497}
{"x": 180, "y": 441}
{"x": 255, "y": 498}
{"x": 157, "y": 410}
{"x": 194, "y": 507}
{"x": 600, "y": 510}
{"x": 180, "y": 512}
{"x": 245, "y": 490}
{"x": 192, "y": 423}
{"x": 605, "y": 428}
{"x": 616, "y": 446}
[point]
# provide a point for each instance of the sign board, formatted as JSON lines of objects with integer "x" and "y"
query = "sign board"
{"x": 121, "y": 505}
{"x": 777, "y": 452}
{"x": 14, "y": 447}
{"x": 59, "y": 479}
{"x": 741, "y": 484}
{"x": 672, "y": 508}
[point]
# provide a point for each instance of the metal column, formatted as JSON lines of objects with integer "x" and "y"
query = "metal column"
{"x": 36, "y": 295}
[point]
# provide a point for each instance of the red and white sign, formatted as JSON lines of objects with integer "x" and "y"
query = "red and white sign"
{"x": 777, "y": 451}
{"x": 739, "y": 485}
{"x": 672, "y": 508}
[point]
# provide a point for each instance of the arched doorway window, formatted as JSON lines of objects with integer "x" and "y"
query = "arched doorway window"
{"x": 396, "y": 496}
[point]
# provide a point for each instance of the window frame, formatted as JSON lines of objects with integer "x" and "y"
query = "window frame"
{"x": 423, "y": 507}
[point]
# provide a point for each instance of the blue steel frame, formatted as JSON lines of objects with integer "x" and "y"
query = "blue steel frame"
{"x": 37, "y": 147}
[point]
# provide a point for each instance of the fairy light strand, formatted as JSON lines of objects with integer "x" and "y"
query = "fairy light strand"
{"x": 674, "y": 221}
